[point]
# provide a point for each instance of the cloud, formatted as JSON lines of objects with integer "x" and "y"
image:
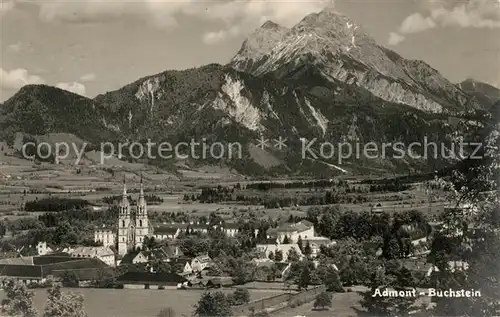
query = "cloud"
{"x": 469, "y": 14}
{"x": 473, "y": 14}
{"x": 17, "y": 78}
{"x": 241, "y": 17}
{"x": 74, "y": 87}
{"x": 237, "y": 16}
{"x": 416, "y": 23}
{"x": 5, "y": 6}
{"x": 395, "y": 38}
{"x": 14, "y": 47}
{"x": 220, "y": 36}
{"x": 88, "y": 78}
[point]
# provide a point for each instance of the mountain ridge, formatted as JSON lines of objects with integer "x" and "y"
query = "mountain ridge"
{"x": 332, "y": 41}
{"x": 309, "y": 82}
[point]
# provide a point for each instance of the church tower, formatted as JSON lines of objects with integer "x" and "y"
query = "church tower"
{"x": 124, "y": 221}
{"x": 141, "y": 220}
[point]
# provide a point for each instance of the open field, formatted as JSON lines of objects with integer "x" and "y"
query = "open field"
{"x": 138, "y": 303}
{"x": 343, "y": 305}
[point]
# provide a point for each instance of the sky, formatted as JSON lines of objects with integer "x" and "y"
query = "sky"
{"x": 94, "y": 46}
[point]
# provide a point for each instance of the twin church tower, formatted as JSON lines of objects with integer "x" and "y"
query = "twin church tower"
{"x": 133, "y": 223}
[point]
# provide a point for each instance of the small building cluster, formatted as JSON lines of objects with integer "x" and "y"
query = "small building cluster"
{"x": 134, "y": 226}
{"x": 287, "y": 236}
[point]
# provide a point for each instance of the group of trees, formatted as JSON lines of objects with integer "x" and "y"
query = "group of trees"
{"x": 365, "y": 225}
{"x": 215, "y": 195}
{"x": 290, "y": 185}
{"x": 217, "y": 304}
{"x": 151, "y": 199}
{"x": 340, "y": 193}
{"x": 55, "y": 204}
{"x": 18, "y": 301}
{"x": 62, "y": 228}
{"x": 473, "y": 186}
{"x": 344, "y": 195}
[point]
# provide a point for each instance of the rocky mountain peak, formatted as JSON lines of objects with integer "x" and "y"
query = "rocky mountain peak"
{"x": 270, "y": 25}
{"x": 259, "y": 43}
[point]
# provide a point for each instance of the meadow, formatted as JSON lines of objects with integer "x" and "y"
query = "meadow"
{"x": 138, "y": 303}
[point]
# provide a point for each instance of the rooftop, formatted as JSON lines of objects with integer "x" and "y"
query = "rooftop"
{"x": 302, "y": 225}
{"x": 146, "y": 277}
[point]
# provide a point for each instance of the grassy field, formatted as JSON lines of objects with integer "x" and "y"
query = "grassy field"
{"x": 343, "y": 304}
{"x": 138, "y": 303}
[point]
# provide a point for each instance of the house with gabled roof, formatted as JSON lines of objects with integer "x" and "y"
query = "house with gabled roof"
{"x": 104, "y": 254}
{"x": 200, "y": 263}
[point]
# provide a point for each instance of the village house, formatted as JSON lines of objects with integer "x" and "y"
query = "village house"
{"x": 454, "y": 266}
{"x": 106, "y": 236}
{"x": 164, "y": 232}
{"x": 39, "y": 269}
{"x": 303, "y": 229}
{"x": 134, "y": 257}
{"x": 230, "y": 229}
{"x": 200, "y": 263}
{"x": 148, "y": 280}
{"x": 316, "y": 242}
{"x": 274, "y": 245}
{"x": 187, "y": 270}
{"x": 43, "y": 249}
{"x": 104, "y": 254}
{"x": 163, "y": 254}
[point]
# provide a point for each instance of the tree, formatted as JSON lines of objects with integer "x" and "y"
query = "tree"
{"x": 69, "y": 279}
{"x": 271, "y": 255}
{"x": 332, "y": 281}
{"x": 159, "y": 266}
{"x": 18, "y": 300}
{"x": 149, "y": 243}
{"x": 293, "y": 255}
{"x": 323, "y": 300}
{"x": 166, "y": 312}
{"x": 63, "y": 304}
{"x": 327, "y": 225}
{"x": 391, "y": 248}
{"x": 474, "y": 190}
{"x": 300, "y": 244}
{"x": 307, "y": 249}
{"x": 65, "y": 234}
{"x": 286, "y": 240}
{"x": 278, "y": 256}
{"x": 379, "y": 306}
{"x": 240, "y": 296}
{"x": 215, "y": 304}
{"x": 304, "y": 279}
{"x": 242, "y": 273}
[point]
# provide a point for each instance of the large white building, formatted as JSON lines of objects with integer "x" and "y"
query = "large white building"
{"x": 133, "y": 224}
{"x": 293, "y": 231}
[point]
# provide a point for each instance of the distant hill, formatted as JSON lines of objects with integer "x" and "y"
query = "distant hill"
{"x": 485, "y": 93}
{"x": 41, "y": 109}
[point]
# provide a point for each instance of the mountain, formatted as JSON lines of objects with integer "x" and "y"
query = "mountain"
{"x": 342, "y": 51}
{"x": 485, "y": 93}
{"x": 41, "y": 109}
{"x": 325, "y": 80}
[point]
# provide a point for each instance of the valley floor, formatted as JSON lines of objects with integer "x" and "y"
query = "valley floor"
{"x": 137, "y": 303}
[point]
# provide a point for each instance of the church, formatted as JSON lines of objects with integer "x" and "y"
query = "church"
{"x": 133, "y": 224}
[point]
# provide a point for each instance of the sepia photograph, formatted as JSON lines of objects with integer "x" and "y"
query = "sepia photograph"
{"x": 249, "y": 158}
